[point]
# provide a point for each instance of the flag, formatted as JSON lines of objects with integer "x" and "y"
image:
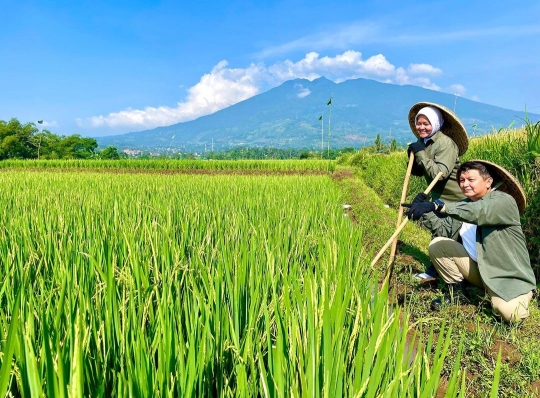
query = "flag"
{"x": 329, "y": 101}
{"x": 40, "y": 121}
{"x": 320, "y": 117}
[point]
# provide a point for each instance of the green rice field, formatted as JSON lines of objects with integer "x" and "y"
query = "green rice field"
{"x": 167, "y": 285}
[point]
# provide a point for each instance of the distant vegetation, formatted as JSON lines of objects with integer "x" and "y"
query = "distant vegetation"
{"x": 26, "y": 141}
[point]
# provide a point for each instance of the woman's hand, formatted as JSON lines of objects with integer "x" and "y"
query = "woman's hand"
{"x": 417, "y": 146}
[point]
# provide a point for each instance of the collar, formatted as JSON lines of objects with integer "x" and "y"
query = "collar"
{"x": 433, "y": 138}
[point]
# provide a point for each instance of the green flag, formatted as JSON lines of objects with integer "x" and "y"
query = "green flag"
{"x": 329, "y": 101}
{"x": 320, "y": 117}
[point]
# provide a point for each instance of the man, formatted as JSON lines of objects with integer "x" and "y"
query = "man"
{"x": 480, "y": 240}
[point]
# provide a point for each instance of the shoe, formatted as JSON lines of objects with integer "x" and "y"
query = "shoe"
{"x": 432, "y": 271}
{"x": 428, "y": 282}
{"x": 430, "y": 274}
{"x": 456, "y": 294}
{"x": 422, "y": 275}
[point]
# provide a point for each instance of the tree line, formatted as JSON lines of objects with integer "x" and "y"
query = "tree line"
{"x": 26, "y": 141}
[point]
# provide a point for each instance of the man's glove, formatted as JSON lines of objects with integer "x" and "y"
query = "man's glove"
{"x": 421, "y": 198}
{"x": 417, "y": 147}
{"x": 417, "y": 210}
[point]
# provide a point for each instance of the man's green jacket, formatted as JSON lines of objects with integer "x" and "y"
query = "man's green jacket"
{"x": 503, "y": 259}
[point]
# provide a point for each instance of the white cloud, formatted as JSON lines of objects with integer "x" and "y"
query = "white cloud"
{"x": 476, "y": 98}
{"x": 216, "y": 90}
{"x": 457, "y": 89}
{"x": 338, "y": 38}
{"x": 384, "y": 31}
{"x": 225, "y": 86}
{"x": 302, "y": 91}
{"x": 402, "y": 77}
{"x": 50, "y": 123}
{"x": 423, "y": 69}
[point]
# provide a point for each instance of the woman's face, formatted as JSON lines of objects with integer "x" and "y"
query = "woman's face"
{"x": 423, "y": 126}
{"x": 473, "y": 185}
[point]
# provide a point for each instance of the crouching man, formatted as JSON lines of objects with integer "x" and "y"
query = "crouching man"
{"x": 481, "y": 240}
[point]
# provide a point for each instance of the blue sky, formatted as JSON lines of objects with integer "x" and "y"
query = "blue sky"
{"x": 110, "y": 67}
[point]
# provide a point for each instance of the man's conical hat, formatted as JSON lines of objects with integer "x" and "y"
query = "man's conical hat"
{"x": 510, "y": 184}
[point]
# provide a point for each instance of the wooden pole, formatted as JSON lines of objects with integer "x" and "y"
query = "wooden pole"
{"x": 402, "y": 225}
{"x": 322, "y": 136}
{"x": 400, "y": 212}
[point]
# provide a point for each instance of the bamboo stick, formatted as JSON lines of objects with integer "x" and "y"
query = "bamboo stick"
{"x": 400, "y": 211}
{"x": 402, "y": 225}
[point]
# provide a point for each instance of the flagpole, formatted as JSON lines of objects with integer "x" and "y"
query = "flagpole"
{"x": 329, "y": 117}
{"x": 322, "y": 135}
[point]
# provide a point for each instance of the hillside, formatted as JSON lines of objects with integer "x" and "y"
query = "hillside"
{"x": 284, "y": 117}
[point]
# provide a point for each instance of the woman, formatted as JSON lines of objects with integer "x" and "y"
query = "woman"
{"x": 480, "y": 240}
{"x": 442, "y": 138}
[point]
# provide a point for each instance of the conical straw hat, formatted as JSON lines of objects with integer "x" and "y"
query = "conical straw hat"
{"x": 510, "y": 184}
{"x": 452, "y": 126}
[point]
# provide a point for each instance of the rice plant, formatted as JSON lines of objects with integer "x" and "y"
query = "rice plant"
{"x": 279, "y": 166}
{"x": 183, "y": 285}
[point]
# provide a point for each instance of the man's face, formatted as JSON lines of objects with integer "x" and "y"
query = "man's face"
{"x": 473, "y": 185}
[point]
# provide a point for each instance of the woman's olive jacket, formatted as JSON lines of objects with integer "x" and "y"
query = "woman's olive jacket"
{"x": 441, "y": 154}
{"x": 503, "y": 259}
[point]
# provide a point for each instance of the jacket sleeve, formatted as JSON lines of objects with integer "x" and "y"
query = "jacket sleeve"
{"x": 494, "y": 209}
{"x": 445, "y": 227}
{"x": 417, "y": 170}
{"x": 442, "y": 159}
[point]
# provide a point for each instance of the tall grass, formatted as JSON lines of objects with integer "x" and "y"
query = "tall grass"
{"x": 139, "y": 285}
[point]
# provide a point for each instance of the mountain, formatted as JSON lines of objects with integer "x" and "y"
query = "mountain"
{"x": 287, "y": 117}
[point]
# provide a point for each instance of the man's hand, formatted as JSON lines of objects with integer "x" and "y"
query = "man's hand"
{"x": 417, "y": 210}
{"x": 417, "y": 147}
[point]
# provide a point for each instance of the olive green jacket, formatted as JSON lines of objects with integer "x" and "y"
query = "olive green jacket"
{"x": 503, "y": 259}
{"x": 441, "y": 154}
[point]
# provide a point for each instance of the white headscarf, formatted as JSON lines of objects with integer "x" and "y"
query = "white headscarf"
{"x": 434, "y": 116}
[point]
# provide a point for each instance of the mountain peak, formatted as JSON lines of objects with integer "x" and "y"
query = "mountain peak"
{"x": 287, "y": 117}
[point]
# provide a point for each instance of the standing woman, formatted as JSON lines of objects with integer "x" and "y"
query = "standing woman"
{"x": 442, "y": 138}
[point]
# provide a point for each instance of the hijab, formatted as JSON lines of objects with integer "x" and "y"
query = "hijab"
{"x": 435, "y": 119}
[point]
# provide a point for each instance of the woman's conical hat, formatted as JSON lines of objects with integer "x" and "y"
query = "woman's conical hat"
{"x": 452, "y": 126}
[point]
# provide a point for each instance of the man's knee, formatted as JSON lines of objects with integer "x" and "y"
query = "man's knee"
{"x": 437, "y": 245}
{"x": 510, "y": 311}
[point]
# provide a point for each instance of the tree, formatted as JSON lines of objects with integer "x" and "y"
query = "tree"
{"x": 17, "y": 141}
{"x": 379, "y": 146}
{"x": 109, "y": 153}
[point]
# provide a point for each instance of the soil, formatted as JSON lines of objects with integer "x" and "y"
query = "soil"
{"x": 535, "y": 388}
{"x": 509, "y": 353}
